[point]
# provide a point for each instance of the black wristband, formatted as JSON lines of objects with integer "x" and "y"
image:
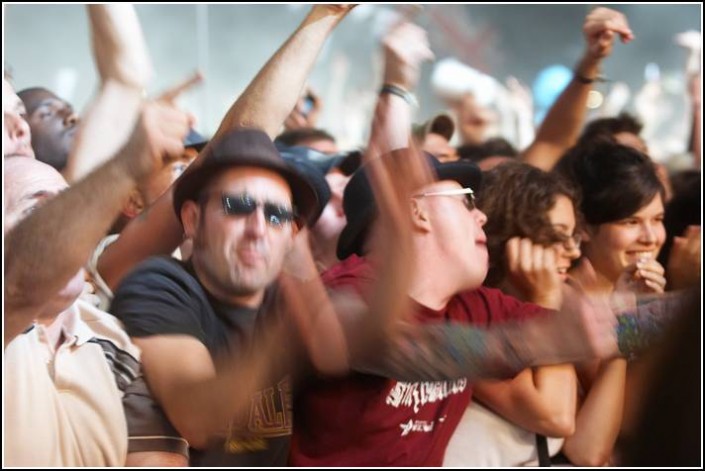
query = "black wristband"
{"x": 400, "y": 92}
{"x": 587, "y": 80}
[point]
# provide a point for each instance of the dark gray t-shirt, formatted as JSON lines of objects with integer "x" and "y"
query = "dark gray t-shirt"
{"x": 163, "y": 296}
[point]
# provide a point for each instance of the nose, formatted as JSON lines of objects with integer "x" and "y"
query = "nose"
{"x": 18, "y": 131}
{"x": 255, "y": 223}
{"x": 647, "y": 235}
{"x": 17, "y": 128}
{"x": 70, "y": 117}
{"x": 480, "y": 217}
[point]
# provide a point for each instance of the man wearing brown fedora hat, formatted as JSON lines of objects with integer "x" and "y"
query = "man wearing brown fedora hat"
{"x": 242, "y": 208}
{"x": 205, "y": 325}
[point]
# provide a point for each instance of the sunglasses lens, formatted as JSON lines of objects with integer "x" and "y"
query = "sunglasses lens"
{"x": 244, "y": 205}
{"x": 239, "y": 205}
{"x": 277, "y": 215}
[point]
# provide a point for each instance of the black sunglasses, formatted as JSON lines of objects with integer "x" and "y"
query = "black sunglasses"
{"x": 276, "y": 215}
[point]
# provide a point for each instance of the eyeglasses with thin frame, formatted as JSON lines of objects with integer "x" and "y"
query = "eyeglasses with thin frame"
{"x": 469, "y": 199}
{"x": 569, "y": 242}
{"x": 276, "y": 215}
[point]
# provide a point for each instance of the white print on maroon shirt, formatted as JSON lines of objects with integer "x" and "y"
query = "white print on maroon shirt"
{"x": 412, "y": 425}
{"x": 416, "y": 395}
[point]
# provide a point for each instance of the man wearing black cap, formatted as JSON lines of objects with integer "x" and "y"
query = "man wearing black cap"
{"x": 407, "y": 396}
{"x": 329, "y": 174}
{"x": 242, "y": 207}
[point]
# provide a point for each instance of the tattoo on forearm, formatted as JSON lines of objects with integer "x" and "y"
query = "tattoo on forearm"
{"x": 445, "y": 352}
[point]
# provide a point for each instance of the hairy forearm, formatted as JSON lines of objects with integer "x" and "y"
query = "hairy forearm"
{"x": 272, "y": 94}
{"x": 51, "y": 245}
{"x": 447, "y": 351}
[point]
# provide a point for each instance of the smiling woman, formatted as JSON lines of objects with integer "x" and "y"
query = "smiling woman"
{"x": 622, "y": 202}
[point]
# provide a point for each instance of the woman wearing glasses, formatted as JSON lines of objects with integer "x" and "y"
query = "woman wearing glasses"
{"x": 533, "y": 240}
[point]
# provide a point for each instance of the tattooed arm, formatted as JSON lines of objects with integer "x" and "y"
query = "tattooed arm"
{"x": 637, "y": 329}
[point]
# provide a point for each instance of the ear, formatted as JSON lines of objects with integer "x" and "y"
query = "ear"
{"x": 191, "y": 218}
{"x": 134, "y": 205}
{"x": 420, "y": 219}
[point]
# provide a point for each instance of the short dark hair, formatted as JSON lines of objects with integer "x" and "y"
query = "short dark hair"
{"x": 516, "y": 197}
{"x": 492, "y": 147}
{"x": 299, "y": 137}
{"x": 614, "y": 181}
{"x": 608, "y": 127}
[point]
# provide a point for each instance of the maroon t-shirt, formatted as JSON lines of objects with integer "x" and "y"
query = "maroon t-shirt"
{"x": 365, "y": 420}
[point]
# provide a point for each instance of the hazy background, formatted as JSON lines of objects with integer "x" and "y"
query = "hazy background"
{"x": 48, "y": 45}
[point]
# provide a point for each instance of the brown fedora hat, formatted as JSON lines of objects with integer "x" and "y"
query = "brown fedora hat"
{"x": 245, "y": 148}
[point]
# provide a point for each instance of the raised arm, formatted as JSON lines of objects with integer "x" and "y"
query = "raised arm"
{"x": 265, "y": 104}
{"x": 273, "y": 93}
{"x": 560, "y": 129}
{"x": 124, "y": 69}
{"x": 37, "y": 266}
{"x": 343, "y": 328}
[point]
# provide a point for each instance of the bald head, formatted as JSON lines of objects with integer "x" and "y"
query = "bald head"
{"x": 28, "y": 183}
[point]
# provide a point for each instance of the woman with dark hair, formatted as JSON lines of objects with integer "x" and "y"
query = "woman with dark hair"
{"x": 622, "y": 203}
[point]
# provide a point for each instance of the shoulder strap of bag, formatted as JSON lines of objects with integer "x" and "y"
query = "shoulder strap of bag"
{"x": 542, "y": 449}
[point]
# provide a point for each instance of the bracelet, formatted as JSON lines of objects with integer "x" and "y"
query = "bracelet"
{"x": 586, "y": 80}
{"x": 629, "y": 338}
{"x": 400, "y": 92}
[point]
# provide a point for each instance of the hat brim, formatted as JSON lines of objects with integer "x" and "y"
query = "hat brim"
{"x": 354, "y": 234}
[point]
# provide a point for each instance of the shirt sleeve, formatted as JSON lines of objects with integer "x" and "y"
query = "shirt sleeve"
{"x": 148, "y": 428}
{"x": 102, "y": 290}
{"x": 159, "y": 298}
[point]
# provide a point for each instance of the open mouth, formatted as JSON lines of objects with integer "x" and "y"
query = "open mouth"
{"x": 640, "y": 256}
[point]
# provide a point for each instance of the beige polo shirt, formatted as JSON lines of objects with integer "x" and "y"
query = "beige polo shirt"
{"x": 65, "y": 407}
